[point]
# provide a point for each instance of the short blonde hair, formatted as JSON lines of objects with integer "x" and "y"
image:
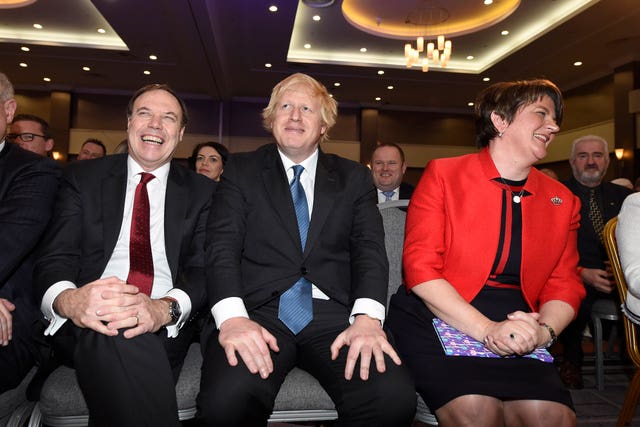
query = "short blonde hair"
{"x": 328, "y": 105}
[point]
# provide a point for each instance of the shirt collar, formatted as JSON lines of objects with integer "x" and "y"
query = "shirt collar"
{"x": 2, "y": 144}
{"x": 309, "y": 164}
{"x": 161, "y": 173}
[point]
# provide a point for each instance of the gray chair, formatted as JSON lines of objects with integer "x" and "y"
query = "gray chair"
{"x": 14, "y": 406}
{"x": 602, "y": 309}
{"x": 394, "y": 220}
{"x": 61, "y": 402}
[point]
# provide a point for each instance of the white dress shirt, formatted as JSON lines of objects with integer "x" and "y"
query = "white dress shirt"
{"x": 234, "y": 306}
{"x": 628, "y": 241}
{"x": 118, "y": 264}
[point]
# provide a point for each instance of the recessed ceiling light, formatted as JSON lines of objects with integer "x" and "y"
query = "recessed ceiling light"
{"x": 146, "y": 72}
{"x": 307, "y": 45}
{"x": 390, "y": 87}
{"x": 316, "y": 18}
{"x": 504, "y": 32}
{"x": 268, "y": 65}
{"x": 380, "y": 72}
{"x": 102, "y": 30}
{"x": 23, "y": 65}
{"x": 470, "y": 104}
{"x": 577, "y": 63}
{"x": 86, "y": 69}
{"x": 336, "y": 84}
{"x": 24, "y": 48}
{"x": 46, "y": 79}
{"x": 153, "y": 57}
{"x": 485, "y": 79}
{"x": 378, "y": 98}
{"x": 37, "y": 26}
{"x": 273, "y": 8}
{"x": 470, "y": 57}
{"x": 363, "y": 49}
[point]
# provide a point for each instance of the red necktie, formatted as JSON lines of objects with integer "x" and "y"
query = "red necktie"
{"x": 140, "y": 259}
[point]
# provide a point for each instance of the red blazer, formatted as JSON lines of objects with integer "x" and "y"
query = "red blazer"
{"x": 453, "y": 226}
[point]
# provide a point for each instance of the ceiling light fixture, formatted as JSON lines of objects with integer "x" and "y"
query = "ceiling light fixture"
{"x": 38, "y": 26}
{"x": 46, "y": 79}
{"x": 23, "y": 64}
{"x": 11, "y": 4}
{"x": 273, "y": 8}
{"x": 429, "y": 14}
{"x": 577, "y": 63}
{"x": 153, "y": 57}
{"x": 24, "y": 49}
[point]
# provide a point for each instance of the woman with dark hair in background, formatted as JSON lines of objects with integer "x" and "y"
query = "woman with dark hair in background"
{"x": 208, "y": 159}
{"x": 490, "y": 250}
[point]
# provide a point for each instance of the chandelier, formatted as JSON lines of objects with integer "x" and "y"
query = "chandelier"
{"x": 429, "y": 16}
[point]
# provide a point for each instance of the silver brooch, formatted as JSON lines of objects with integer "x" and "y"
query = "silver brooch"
{"x": 556, "y": 200}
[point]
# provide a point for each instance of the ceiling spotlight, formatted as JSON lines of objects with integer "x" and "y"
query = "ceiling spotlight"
{"x": 470, "y": 104}
{"x": 24, "y": 48}
{"x": 390, "y": 87}
{"x": 316, "y": 18}
{"x": 268, "y": 65}
{"x": 378, "y": 98}
{"x": 307, "y": 45}
{"x": 504, "y": 32}
{"x": 153, "y": 57}
{"x": 46, "y": 79}
{"x": 488, "y": 2}
{"x": 37, "y": 26}
{"x": 102, "y": 30}
{"x": 363, "y": 49}
{"x": 380, "y": 72}
{"x": 146, "y": 72}
{"x": 577, "y": 63}
{"x": 485, "y": 79}
{"x": 471, "y": 57}
{"x": 23, "y": 64}
{"x": 86, "y": 69}
{"x": 337, "y": 84}
{"x": 273, "y": 8}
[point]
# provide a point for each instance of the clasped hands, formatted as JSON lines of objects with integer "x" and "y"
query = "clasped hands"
{"x": 519, "y": 334}
{"x": 253, "y": 343}
{"x": 109, "y": 304}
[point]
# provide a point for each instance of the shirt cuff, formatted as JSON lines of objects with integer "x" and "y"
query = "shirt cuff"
{"x": 370, "y": 307}
{"x": 185, "y": 307}
{"x": 55, "y": 320}
{"x": 227, "y": 308}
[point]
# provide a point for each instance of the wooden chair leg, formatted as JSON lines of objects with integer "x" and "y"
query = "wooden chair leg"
{"x": 630, "y": 401}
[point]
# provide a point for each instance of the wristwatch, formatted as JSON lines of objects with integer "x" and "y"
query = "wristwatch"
{"x": 552, "y": 333}
{"x": 174, "y": 309}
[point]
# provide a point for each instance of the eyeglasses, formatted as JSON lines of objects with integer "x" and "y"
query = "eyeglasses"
{"x": 25, "y": 137}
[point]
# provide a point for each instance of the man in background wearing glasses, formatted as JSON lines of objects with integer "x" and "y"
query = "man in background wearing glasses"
{"x": 32, "y": 133}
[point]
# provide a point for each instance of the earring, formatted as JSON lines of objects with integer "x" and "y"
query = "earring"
{"x": 500, "y": 134}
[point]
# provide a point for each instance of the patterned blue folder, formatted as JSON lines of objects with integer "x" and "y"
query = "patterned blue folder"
{"x": 455, "y": 343}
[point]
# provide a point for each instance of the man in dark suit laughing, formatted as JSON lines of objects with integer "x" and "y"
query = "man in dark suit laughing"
{"x": 121, "y": 267}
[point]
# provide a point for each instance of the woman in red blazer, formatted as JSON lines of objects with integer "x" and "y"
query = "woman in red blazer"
{"x": 490, "y": 249}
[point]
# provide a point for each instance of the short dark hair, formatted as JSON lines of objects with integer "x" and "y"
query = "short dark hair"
{"x": 46, "y": 130}
{"x": 221, "y": 149}
{"x": 166, "y": 88}
{"x": 389, "y": 144}
{"x": 97, "y": 142}
{"x": 506, "y": 99}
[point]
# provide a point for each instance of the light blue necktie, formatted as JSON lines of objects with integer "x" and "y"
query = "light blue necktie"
{"x": 295, "y": 308}
{"x": 388, "y": 195}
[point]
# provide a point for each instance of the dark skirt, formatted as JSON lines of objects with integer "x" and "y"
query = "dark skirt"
{"x": 440, "y": 378}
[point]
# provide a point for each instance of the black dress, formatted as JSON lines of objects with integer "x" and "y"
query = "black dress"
{"x": 440, "y": 378}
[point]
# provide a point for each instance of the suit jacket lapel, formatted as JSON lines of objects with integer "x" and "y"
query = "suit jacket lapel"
{"x": 175, "y": 209}
{"x": 114, "y": 188}
{"x": 326, "y": 188}
{"x": 279, "y": 195}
